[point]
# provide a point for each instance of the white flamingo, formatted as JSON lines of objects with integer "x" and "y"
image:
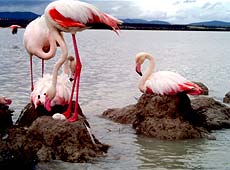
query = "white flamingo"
{"x": 162, "y": 82}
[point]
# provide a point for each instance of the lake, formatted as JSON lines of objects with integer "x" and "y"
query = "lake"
{"x": 109, "y": 80}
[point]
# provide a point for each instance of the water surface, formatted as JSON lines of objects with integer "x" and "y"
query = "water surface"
{"x": 109, "y": 80}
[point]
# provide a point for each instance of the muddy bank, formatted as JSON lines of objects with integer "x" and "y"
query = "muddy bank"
{"x": 173, "y": 117}
{"x": 38, "y": 137}
{"x": 217, "y": 113}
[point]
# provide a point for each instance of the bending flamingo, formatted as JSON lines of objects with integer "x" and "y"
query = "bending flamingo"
{"x": 64, "y": 86}
{"x": 73, "y": 16}
{"x": 162, "y": 82}
{"x": 37, "y": 42}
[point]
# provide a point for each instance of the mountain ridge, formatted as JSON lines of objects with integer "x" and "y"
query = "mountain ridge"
{"x": 18, "y": 15}
{"x": 212, "y": 23}
{"x": 23, "y": 18}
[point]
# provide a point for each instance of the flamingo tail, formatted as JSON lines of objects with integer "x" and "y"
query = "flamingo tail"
{"x": 191, "y": 88}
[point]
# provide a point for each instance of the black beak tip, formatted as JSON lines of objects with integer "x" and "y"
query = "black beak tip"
{"x": 140, "y": 73}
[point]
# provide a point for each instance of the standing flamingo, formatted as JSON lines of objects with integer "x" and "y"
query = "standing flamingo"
{"x": 73, "y": 16}
{"x": 14, "y": 28}
{"x": 37, "y": 42}
{"x": 162, "y": 82}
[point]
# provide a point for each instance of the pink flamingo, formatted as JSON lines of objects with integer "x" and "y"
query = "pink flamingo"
{"x": 14, "y": 28}
{"x": 162, "y": 82}
{"x": 64, "y": 86}
{"x": 37, "y": 42}
{"x": 73, "y": 16}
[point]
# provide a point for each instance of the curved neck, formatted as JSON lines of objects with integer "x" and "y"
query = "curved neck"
{"x": 148, "y": 72}
{"x": 52, "y": 51}
{"x": 59, "y": 38}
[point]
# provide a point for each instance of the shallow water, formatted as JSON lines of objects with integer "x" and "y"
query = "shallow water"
{"x": 109, "y": 80}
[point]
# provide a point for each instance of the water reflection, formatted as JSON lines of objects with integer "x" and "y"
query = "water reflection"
{"x": 170, "y": 154}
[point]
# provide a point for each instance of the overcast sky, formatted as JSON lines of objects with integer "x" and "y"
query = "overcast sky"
{"x": 173, "y": 11}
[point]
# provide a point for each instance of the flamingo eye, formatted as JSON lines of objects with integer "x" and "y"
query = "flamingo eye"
{"x": 39, "y": 96}
{"x": 44, "y": 93}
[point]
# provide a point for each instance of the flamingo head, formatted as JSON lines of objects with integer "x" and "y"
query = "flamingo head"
{"x": 36, "y": 101}
{"x": 72, "y": 66}
{"x": 138, "y": 69}
{"x": 140, "y": 57}
{"x": 49, "y": 96}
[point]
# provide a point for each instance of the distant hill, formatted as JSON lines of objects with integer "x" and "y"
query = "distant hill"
{"x": 142, "y": 21}
{"x": 18, "y": 15}
{"x": 24, "y": 18}
{"x": 212, "y": 24}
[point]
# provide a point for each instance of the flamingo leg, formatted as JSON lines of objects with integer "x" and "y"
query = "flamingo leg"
{"x": 42, "y": 67}
{"x": 31, "y": 73}
{"x": 76, "y": 80}
{"x": 77, "y": 77}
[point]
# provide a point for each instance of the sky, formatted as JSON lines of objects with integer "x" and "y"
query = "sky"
{"x": 173, "y": 11}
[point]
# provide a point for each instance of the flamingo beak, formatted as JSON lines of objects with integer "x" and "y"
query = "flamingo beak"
{"x": 47, "y": 103}
{"x": 138, "y": 69}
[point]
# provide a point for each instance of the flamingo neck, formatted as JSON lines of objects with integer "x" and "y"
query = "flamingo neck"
{"x": 52, "y": 51}
{"x": 148, "y": 72}
{"x": 57, "y": 36}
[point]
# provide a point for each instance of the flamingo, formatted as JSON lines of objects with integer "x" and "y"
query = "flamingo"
{"x": 37, "y": 42}
{"x": 64, "y": 86}
{"x": 14, "y": 28}
{"x": 73, "y": 16}
{"x": 5, "y": 101}
{"x": 162, "y": 82}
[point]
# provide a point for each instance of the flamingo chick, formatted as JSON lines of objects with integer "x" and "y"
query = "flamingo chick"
{"x": 73, "y": 16}
{"x": 162, "y": 82}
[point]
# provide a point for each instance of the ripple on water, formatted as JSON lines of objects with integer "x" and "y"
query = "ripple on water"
{"x": 109, "y": 80}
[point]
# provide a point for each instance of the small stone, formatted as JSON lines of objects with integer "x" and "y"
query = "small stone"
{"x": 227, "y": 98}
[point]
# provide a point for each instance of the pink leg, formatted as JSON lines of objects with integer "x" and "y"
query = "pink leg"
{"x": 31, "y": 74}
{"x": 42, "y": 67}
{"x": 76, "y": 80}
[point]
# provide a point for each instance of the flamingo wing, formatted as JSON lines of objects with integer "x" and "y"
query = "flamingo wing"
{"x": 63, "y": 21}
{"x": 77, "y": 15}
{"x": 170, "y": 83}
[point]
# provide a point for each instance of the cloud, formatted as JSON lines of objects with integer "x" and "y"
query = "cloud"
{"x": 189, "y": 1}
{"x": 173, "y": 11}
{"x": 119, "y": 9}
